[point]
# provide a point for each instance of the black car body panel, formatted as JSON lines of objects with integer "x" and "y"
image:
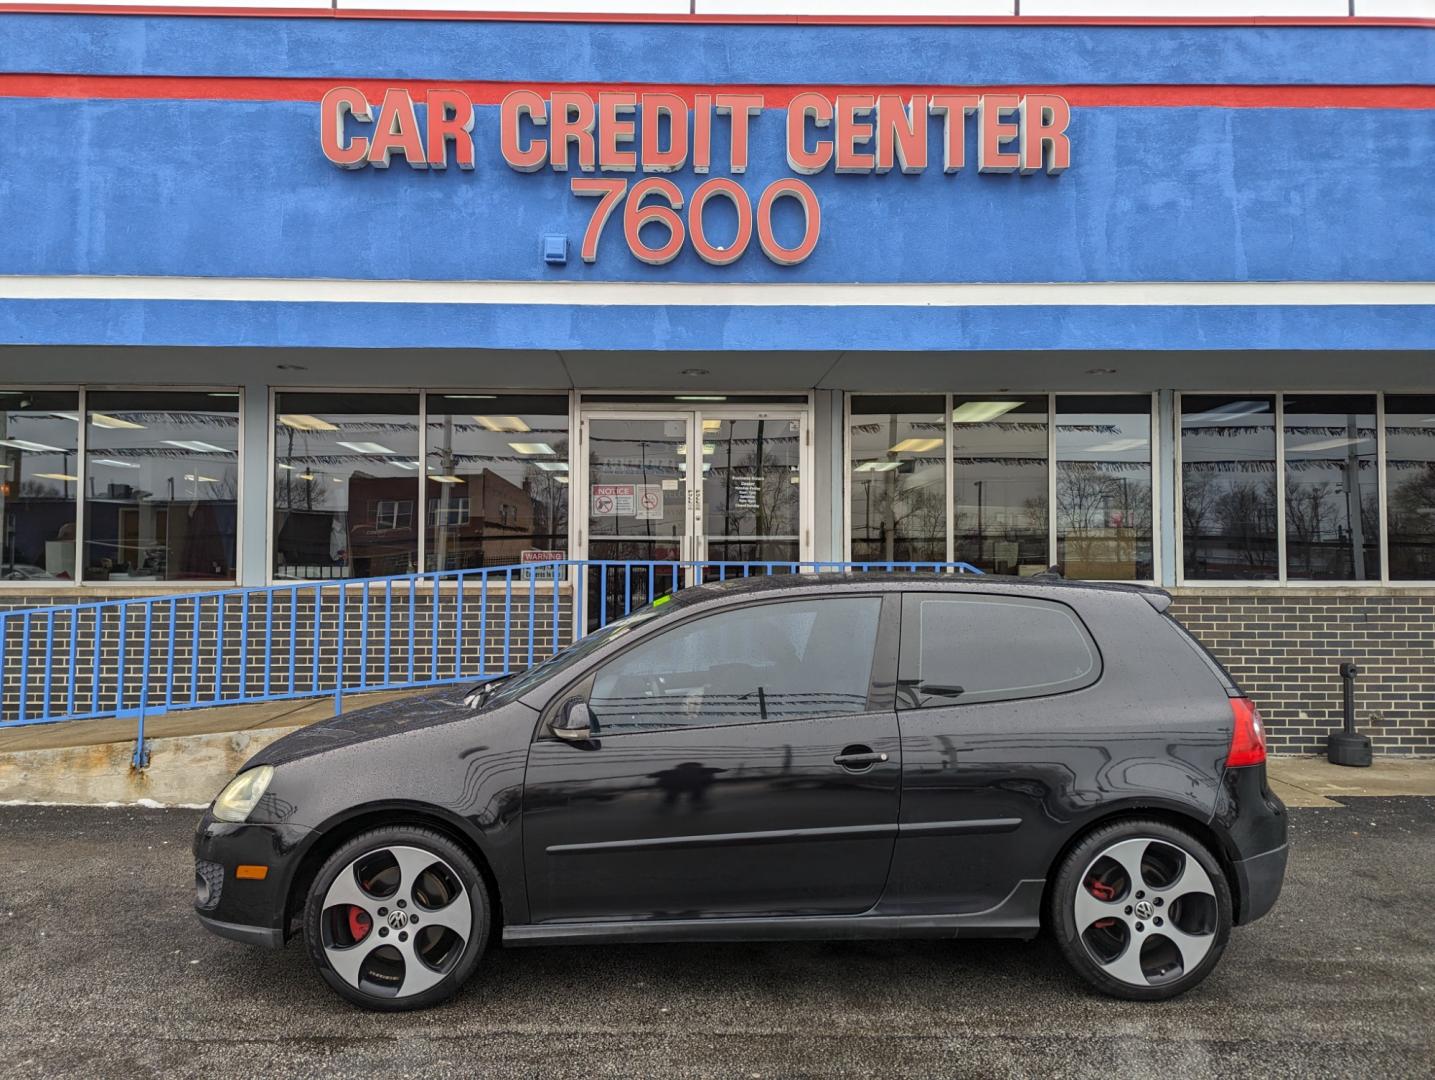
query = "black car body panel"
{"x": 752, "y": 830}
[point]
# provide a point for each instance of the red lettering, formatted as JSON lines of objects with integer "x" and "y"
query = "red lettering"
{"x": 702, "y": 133}
{"x": 808, "y": 106}
{"x": 571, "y": 120}
{"x": 901, "y": 133}
{"x": 636, "y": 215}
{"x": 609, "y": 192}
{"x": 397, "y": 132}
{"x": 850, "y": 133}
{"x": 733, "y": 192}
{"x": 614, "y": 131}
{"x": 1044, "y": 119}
{"x": 739, "y": 107}
{"x": 450, "y": 120}
{"x": 954, "y": 110}
{"x": 338, "y": 103}
{"x": 515, "y": 107}
{"x": 655, "y": 107}
{"x": 791, "y": 188}
{"x": 994, "y": 131}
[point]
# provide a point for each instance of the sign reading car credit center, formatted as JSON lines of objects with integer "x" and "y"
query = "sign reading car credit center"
{"x": 630, "y": 132}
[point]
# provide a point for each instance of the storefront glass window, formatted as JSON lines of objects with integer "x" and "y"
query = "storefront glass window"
{"x": 346, "y": 485}
{"x": 999, "y": 453}
{"x": 39, "y": 484}
{"x": 898, "y": 480}
{"x": 1103, "y": 486}
{"x": 1228, "y": 487}
{"x": 1332, "y": 490}
{"x": 498, "y": 479}
{"x": 161, "y": 485}
{"x": 1410, "y": 485}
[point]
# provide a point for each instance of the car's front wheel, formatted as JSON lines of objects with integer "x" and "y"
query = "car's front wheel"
{"x": 397, "y": 918}
{"x": 1141, "y": 910}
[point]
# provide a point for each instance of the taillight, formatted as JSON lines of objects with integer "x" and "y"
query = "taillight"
{"x": 1248, "y": 740}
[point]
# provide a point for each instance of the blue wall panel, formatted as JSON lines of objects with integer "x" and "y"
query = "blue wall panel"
{"x": 418, "y": 326}
{"x": 353, "y": 48}
{"x": 220, "y": 188}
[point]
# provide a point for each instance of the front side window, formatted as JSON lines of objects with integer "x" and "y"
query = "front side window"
{"x": 346, "y": 478}
{"x": 959, "y": 650}
{"x": 1410, "y": 485}
{"x": 1229, "y": 507}
{"x": 39, "y": 484}
{"x": 782, "y": 661}
{"x": 162, "y": 485}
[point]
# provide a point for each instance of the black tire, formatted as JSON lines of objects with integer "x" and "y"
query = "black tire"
{"x": 1160, "y": 971}
{"x": 459, "y": 959}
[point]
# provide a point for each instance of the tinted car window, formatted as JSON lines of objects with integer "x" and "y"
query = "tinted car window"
{"x": 964, "y": 649}
{"x": 781, "y": 661}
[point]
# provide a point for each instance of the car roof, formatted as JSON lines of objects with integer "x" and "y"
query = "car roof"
{"x": 907, "y": 581}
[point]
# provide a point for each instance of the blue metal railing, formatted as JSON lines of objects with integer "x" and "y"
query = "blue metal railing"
{"x": 147, "y": 656}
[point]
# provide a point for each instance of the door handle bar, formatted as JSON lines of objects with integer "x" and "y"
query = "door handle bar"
{"x": 869, "y": 758}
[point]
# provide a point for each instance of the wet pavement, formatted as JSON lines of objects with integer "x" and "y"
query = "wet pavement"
{"x": 107, "y": 974}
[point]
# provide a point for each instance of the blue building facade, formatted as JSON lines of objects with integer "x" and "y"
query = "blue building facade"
{"x": 1144, "y": 300}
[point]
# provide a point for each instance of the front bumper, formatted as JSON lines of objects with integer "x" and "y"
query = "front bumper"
{"x": 1259, "y": 879}
{"x": 246, "y": 909}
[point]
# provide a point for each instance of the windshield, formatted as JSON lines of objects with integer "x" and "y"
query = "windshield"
{"x": 515, "y": 686}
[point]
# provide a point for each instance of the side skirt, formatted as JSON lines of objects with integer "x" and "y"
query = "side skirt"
{"x": 1018, "y": 916}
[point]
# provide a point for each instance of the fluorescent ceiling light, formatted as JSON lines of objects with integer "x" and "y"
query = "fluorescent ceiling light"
{"x": 197, "y": 446}
{"x": 368, "y": 448}
{"x": 532, "y": 448}
{"x": 306, "y": 476}
{"x": 305, "y": 422}
{"x": 411, "y": 466}
{"x": 468, "y": 397}
{"x": 877, "y": 466}
{"x": 712, "y": 425}
{"x": 192, "y": 478}
{"x": 445, "y": 479}
{"x": 55, "y": 476}
{"x": 99, "y": 419}
{"x": 915, "y": 446}
{"x": 552, "y": 466}
{"x": 700, "y": 397}
{"x": 1226, "y": 413}
{"x": 1116, "y": 446}
{"x": 979, "y": 412}
{"x": 222, "y": 393}
{"x": 338, "y": 479}
{"x": 503, "y": 423}
{"x": 112, "y": 463}
{"x": 561, "y": 479}
{"x": 286, "y": 468}
{"x": 34, "y": 447}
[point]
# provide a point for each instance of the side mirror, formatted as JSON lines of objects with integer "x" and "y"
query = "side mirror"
{"x": 575, "y": 722}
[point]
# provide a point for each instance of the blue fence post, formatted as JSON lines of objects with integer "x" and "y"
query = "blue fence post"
{"x": 141, "y": 757}
{"x": 339, "y": 648}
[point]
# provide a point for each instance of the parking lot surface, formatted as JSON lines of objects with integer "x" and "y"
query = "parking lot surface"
{"x": 107, "y": 974}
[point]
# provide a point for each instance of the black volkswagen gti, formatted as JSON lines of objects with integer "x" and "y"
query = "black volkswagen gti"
{"x": 777, "y": 758}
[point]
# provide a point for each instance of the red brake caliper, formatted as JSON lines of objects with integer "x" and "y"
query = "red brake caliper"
{"x": 359, "y": 923}
{"x": 1104, "y": 892}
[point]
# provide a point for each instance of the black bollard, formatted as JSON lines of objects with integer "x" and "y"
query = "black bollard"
{"x": 1348, "y": 747}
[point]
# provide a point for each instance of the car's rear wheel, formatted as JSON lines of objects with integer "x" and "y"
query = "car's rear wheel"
{"x": 1141, "y": 910}
{"x": 397, "y": 918}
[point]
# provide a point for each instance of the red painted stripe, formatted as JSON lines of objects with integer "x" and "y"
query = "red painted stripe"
{"x": 186, "y": 88}
{"x": 789, "y": 20}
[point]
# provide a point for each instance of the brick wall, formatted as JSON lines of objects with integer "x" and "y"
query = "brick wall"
{"x": 1285, "y": 647}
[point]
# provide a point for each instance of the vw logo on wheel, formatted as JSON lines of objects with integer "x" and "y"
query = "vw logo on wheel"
{"x": 398, "y": 920}
{"x": 1144, "y": 910}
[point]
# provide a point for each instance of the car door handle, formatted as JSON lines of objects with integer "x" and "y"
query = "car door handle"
{"x": 858, "y": 757}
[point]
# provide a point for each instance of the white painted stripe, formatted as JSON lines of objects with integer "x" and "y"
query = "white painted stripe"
{"x": 1415, "y": 9}
{"x": 1174, "y": 8}
{"x": 853, "y": 7}
{"x": 736, "y": 294}
{"x": 606, "y": 7}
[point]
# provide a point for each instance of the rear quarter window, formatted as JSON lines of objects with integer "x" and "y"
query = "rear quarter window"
{"x": 960, "y": 650}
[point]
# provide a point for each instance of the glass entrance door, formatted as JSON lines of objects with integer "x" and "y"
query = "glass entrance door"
{"x": 687, "y": 487}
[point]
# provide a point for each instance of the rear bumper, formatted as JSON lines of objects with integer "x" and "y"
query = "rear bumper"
{"x": 1259, "y": 881}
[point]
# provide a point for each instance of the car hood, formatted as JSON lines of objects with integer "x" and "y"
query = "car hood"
{"x": 444, "y": 706}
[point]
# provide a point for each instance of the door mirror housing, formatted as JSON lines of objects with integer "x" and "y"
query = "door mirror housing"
{"x": 575, "y": 722}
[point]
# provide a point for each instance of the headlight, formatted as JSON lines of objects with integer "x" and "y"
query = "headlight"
{"x": 241, "y": 793}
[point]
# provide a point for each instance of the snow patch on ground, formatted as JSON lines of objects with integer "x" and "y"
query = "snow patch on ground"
{"x": 147, "y": 804}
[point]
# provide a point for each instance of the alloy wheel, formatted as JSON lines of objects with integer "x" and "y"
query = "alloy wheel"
{"x": 1146, "y": 912}
{"x": 395, "y": 921}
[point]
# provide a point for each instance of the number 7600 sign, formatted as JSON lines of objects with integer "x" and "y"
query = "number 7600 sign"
{"x": 669, "y": 200}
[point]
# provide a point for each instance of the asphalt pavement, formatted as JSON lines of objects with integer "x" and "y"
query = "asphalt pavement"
{"x": 107, "y": 974}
